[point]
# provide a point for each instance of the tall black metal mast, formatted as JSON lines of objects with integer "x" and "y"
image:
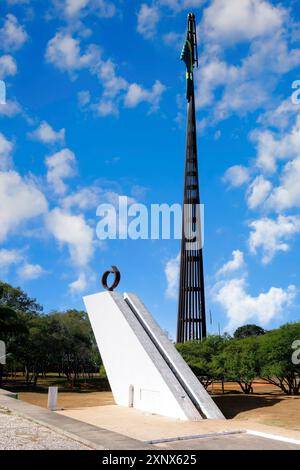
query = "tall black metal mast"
{"x": 191, "y": 323}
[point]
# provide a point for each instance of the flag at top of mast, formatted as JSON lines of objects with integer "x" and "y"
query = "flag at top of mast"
{"x": 189, "y": 55}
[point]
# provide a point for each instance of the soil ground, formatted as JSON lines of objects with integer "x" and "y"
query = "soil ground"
{"x": 267, "y": 405}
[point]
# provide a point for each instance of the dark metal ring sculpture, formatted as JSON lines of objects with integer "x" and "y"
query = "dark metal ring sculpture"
{"x": 114, "y": 270}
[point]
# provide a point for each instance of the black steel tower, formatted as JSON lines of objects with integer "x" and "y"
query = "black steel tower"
{"x": 191, "y": 323}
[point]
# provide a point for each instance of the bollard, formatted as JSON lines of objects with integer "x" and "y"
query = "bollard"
{"x": 131, "y": 396}
{"x": 52, "y": 398}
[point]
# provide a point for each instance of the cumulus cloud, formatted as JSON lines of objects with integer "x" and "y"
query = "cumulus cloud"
{"x": 172, "y": 276}
{"x": 84, "y": 97}
{"x": 272, "y": 236}
{"x": 258, "y": 191}
{"x": 147, "y": 19}
{"x": 287, "y": 194}
{"x": 20, "y": 200}
{"x": 236, "y": 176}
{"x": 60, "y": 165}
{"x": 79, "y": 285}
{"x": 231, "y": 293}
{"x": 272, "y": 147}
{"x": 12, "y": 34}
{"x": 137, "y": 94}
{"x": 65, "y": 53}
{"x": 235, "y": 20}
{"x": 281, "y": 116}
{"x": 85, "y": 198}
{"x": 11, "y": 109}
{"x": 6, "y": 148}
{"x": 73, "y": 231}
{"x": 8, "y": 66}
{"x": 248, "y": 84}
{"x": 236, "y": 263}
{"x": 29, "y": 272}
{"x": 242, "y": 308}
{"x": 9, "y": 258}
{"x": 73, "y": 9}
{"x": 46, "y": 134}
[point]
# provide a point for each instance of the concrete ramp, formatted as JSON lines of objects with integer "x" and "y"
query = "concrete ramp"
{"x": 144, "y": 369}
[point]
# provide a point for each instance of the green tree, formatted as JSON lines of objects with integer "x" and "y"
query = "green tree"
{"x": 239, "y": 362}
{"x": 18, "y": 300}
{"x": 12, "y": 328}
{"x": 248, "y": 330}
{"x": 200, "y": 356}
{"x": 276, "y": 365}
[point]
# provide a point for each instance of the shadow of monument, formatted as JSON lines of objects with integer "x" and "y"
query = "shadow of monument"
{"x": 233, "y": 405}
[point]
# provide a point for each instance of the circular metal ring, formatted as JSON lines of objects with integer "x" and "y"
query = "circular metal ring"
{"x": 114, "y": 270}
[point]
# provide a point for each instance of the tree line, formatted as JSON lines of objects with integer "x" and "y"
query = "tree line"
{"x": 37, "y": 344}
{"x": 251, "y": 353}
{"x": 63, "y": 343}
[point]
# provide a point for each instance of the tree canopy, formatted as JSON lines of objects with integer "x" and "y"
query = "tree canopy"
{"x": 248, "y": 330}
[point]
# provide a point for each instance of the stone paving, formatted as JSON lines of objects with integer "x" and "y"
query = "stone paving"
{"x": 17, "y": 433}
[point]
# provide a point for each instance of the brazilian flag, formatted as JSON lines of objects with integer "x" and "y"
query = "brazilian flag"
{"x": 187, "y": 57}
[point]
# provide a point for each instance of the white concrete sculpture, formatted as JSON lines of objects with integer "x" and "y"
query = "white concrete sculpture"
{"x": 143, "y": 367}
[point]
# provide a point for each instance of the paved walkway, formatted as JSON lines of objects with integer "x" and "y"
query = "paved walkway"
{"x": 150, "y": 428}
{"x": 230, "y": 442}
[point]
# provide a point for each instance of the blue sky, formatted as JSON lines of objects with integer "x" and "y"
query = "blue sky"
{"x": 96, "y": 109}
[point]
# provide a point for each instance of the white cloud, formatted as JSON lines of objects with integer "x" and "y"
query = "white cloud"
{"x": 84, "y": 97}
{"x": 108, "y": 77}
{"x": 272, "y": 236}
{"x": 236, "y": 20}
{"x": 46, "y": 134}
{"x": 10, "y": 109}
{"x": 20, "y": 200}
{"x": 272, "y": 147}
{"x": 73, "y": 231}
{"x": 113, "y": 85}
{"x": 148, "y": 17}
{"x": 287, "y": 194}
{"x": 8, "y": 66}
{"x": 79, "y": 285}
{"x": 248, "y": 84}
{"x": 258, "y": 191}
{"x": 29, "y": 271}
{"x": 281, "y": 116}
{"x": 64, "y": 52}
{"x": 172, "y": 276}
{"x": 85, "y": 198}
{"x": 242, "y": 308}
{"x": 235, "y": 264}
{"x": 73, "y": 9}
{"x": 9, "y": 257}
{"x": 60, "y": 165}
{"x": 12, "y": 34}
{"x": 137, "y": 94}
{"x": 236, "y": 176}
{"x": 6, "y": 148}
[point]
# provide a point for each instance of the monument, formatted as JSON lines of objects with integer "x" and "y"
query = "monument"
{"x": 191, "y": 323}
{"x": 144, "y": 369}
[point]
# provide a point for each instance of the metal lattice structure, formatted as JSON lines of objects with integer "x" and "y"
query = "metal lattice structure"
{"x": 191, "y": 323}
